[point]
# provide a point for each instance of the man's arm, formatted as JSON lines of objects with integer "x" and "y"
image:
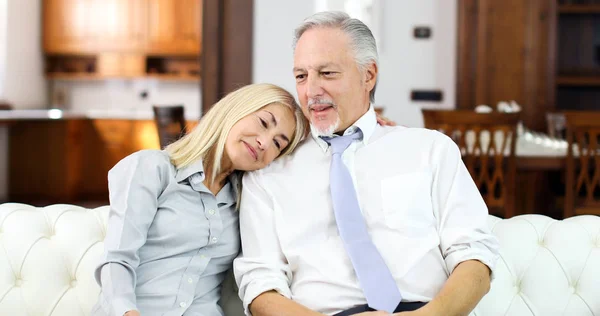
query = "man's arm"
{"x": 262, "y": 271}
{"x": 469, "y": 282}
{"x": 469, "y": 248}
{"x": 273, "y": 304}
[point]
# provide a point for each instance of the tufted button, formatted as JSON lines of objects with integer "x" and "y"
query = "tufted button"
{"x": 517, "y": 286}
{"x": 18, "y": 282}
{"x": 73, "y": 283}
{"x": 541, "y": 243}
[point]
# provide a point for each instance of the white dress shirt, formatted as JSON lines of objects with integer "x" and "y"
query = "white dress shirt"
{"x": 422, "y": 209}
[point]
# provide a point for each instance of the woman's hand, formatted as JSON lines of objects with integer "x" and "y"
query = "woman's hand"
{"x": 384, "y": 121}
{"x": 132, "y": 313}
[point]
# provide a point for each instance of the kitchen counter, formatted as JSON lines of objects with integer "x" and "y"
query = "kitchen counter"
{"x": 55, "y": 114}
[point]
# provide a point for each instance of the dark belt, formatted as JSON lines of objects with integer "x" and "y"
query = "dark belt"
{"x": 402, "y": 307}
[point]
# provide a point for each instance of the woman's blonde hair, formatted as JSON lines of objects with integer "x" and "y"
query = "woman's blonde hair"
{"x": 207, "y": 140}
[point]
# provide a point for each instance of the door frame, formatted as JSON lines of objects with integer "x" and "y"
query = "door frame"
{"x": 226, "y": 58}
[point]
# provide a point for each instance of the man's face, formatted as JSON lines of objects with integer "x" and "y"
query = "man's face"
{"x": 333, "y": 91}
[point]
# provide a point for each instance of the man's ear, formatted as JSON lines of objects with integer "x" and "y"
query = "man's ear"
{"x": 371, "y": 76}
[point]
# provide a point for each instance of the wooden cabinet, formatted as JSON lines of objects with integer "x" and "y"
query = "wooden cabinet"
{"x": 174, "y": 27}
{"x": 506, "y": 52}
{"x": 67, "y": 161}
{"x": 121, "y": 65}
{"x": 159, "y": 27}
{"x": 45, "y": 160}
{"x": 67, "y": 26}
{"x": 118, "y": 25}
{"x": 578, "y": 56}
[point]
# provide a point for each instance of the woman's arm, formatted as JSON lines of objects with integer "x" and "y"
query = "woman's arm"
{"x": 134, "y": 186}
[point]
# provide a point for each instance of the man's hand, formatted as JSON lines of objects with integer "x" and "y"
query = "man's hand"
{"x": 132, "y": 313}
{"x": 465, "y": 287}
{"x": 384, "y": 121}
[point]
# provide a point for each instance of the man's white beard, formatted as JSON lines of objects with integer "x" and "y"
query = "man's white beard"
{"x": 327, "y": 131}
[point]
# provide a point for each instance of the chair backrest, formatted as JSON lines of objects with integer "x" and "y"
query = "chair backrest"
{"x": 5, "y": 106}
{"x": 582, "y": 191}
{"x": 170, "y": 123}
{"x": 487, "y": 144}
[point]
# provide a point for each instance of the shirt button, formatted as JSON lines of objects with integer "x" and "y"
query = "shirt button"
{"x": 190, "y": 280}
{"x": 215, "y": 239}
{"x": 182, "y": 304}
{"x": 211, "y": 212}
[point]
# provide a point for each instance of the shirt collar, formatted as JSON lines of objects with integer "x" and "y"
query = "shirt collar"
{"x": 190, "y": 170}
{"x": 235, "y": 179}
{"x": 366, "y": 123}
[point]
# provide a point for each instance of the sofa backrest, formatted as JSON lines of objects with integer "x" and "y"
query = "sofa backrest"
{"x": 47, "y": 257}
{"x": 546, "y": 267}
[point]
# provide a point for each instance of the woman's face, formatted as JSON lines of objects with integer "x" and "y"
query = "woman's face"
{"x": 257, "y": 139}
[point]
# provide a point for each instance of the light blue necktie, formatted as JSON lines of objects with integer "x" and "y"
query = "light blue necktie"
{"x": 375, "y": 279}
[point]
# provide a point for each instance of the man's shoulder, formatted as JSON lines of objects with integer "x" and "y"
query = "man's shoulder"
{"x": 304, "y": 151}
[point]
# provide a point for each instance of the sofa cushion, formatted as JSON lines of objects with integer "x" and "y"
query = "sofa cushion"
{"x": 47, "y": 258}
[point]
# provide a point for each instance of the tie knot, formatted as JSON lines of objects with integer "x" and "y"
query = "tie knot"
{"x": 340, "y": 143}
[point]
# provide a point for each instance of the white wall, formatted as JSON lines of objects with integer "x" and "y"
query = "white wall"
{"x": 24, "y": 83}
{"x": 3, "y": 130}
{"x": 405, "y": 63}
{"x": 274, "y": 24}
{"x": 3, "y": 9}
{"x": 115, "y": 97}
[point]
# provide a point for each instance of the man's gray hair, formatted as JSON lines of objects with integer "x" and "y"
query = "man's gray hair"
{"x": 361, "y": 38}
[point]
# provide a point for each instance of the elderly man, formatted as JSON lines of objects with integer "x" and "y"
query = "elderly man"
{"x": 362, "y": 218}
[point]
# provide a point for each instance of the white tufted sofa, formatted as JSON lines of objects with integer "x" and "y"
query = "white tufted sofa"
{"x": 47, "y": 256}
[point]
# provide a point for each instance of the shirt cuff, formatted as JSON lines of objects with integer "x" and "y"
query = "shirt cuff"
{"x": 468, "y": 252}
{"x": 121, "y": 306}
{"x": 257, "y": 287}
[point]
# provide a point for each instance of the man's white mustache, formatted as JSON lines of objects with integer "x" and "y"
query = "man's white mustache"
{"x": 312, "y": 102}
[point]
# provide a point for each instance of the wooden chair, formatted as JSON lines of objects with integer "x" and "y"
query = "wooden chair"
{"x": 5, "y": 106}
{"x": 170, "y": 123}
{"x": 487, "y": 143}
{"x": 582, "y": 190}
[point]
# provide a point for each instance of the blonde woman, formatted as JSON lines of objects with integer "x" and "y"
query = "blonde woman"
{"x": 173, "y": 224}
